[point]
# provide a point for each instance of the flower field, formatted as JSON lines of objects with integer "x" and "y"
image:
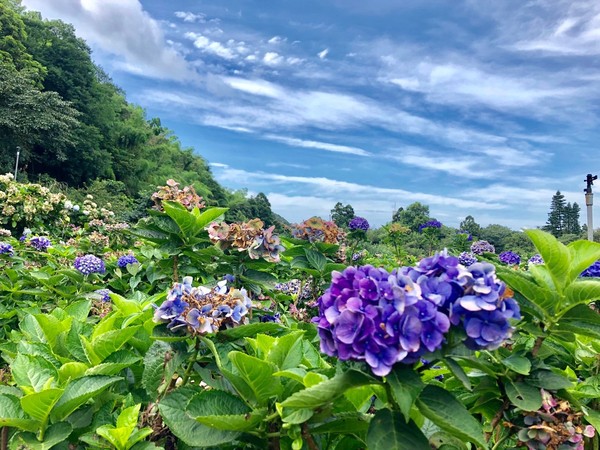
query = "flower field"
{"x": 186, "y": 331}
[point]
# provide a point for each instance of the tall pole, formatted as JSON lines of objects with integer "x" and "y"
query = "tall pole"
{"x": 17, "y": 162}
{"x": 589, "y": 202}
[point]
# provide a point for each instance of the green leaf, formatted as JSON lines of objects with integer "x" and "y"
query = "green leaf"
{"x": 458, "y": 373}
{"x": 79, "y": 310}
{"x": 28, "y": 370}
{"x": 316, "y": 259}
{"x": 258, "y": 375}
{"x": 185, "y": 220}
{"x": 581, "y": 320}
{"x": 518, "y": 364}
{"x": 224, "y": 411}
{"x": 57, "y": 433}
{"x": 12, "y": 415}
{"x": 344, "y": 425}
{"x": 406, "y": 386}
{"x": 523, "y": 395}
{"x": 583, "y": 254}
{"x": 583, "y": 291}
{"x": 209, "y": 215}
{"x": 263, "y": 278}
{"x": 39, "y": 404}
{"x": 173, "y": 411}
{"x": 128, "y": 418}
{"x": 387, "y": 431}
{"x": 286, "y": 352}
{"x": 107, "y": 343}
{"x": 327, "y": 391}
{"x": 557, "y": 258}
{"x": 154, "y": 366}
{"x": 126, "y": 307}
{"x": 80, "y": 391}
{"x": 251, "y": 330}
{"x": 439, "y": 406}
{"x": 542, "y": 297}
{"x": 549, "y": 380}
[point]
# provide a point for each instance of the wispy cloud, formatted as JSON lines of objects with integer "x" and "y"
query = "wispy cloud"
{"x": 187, "y": 16}
{"x": 295, "y": 142}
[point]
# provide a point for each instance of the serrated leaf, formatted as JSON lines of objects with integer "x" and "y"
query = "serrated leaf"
{"x": 173, "y": 411}
{"x": 444, "y": 410}
{"x": 224, "y": 411}
{"x": 260, "y": 277}
{"x": 458, "y": 373}
{"x": 545, "y": 299}
{"x": 327, "y": 391}
{"x": 39, "y": 404}
{"x": 523, "y": 395}
{"x": 209, "y": 215}
{"x": 28, "y": 370}
{"x": 286, "y": 352}
{"x": 549, "y": 380}
{"x": 109, "y": 342}
{"x": 79, "y": 391}
{"x": 581, "y": 320}
{"x": 12, "y": 415}
{"x": 406, "y": 386}
{"x": 55, "y": 434}
{"x": 258, "y": 375}
{"x": 583, "y": 291}
{"x": 557, "y": 258}
{"x": 387, "y": 431}
{"x": 154, "y": 366}
{"x": 358, "y": 424}
{"x": 518, "y": 364}
{"x": 251, "y": 330}
{"x": 583, "y": 254}
{"x": 316, "y": 259}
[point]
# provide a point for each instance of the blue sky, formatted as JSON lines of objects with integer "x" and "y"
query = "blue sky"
{"x": 478, "y": 107}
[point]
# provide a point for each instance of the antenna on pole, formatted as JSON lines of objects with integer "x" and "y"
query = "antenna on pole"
{"x": 589, "y": 201}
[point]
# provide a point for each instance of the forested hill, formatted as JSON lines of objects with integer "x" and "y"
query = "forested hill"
{"x": 73, "y": 124}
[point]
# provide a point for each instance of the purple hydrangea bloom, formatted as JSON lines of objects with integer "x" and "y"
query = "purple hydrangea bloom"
{"x": 89, "y": 264}
{"x": 103, "y": 294}
{"x": 430, "y": 224}
{"x": 467, "y": 258}
{"x": 40, "y": 243}
{"x": 6, "y": 248}
{"x": 481, "y": 247}
{"x": 536, "y": 259}
{"x": 358, "y": 223}
{"x": 467, "y": 234}
{"x": 125, "y": 260}
{"x": 592, "y": 271}
{"x": 509, "y": 258}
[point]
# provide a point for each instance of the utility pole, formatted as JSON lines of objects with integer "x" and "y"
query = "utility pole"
{"x": 17, "y": 163}
{"x": 589, "y": 201}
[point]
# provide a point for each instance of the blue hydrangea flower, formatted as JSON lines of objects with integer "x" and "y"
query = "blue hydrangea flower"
{"x": 510, "y": 258}
{"x": 467, "y": 258}
{"x": 481, "y": 247}
{"x": 40, "y": 243}
{"x": 6, "y": 249}
{"x": 125, "y": 260}
{"x": 430, "y": 224}
{"x": 592, "y": 271}
{"x": 358, "y": 223}
{"x": 89, "y": 264}
{"x": 102, "y": 294}
{"x": 536, "y": 259}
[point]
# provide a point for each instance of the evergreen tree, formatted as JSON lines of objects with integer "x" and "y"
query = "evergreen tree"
{"x": 342, "y": 215}
{"x": 572, "y": 219}
{"x": 556, "y": 217}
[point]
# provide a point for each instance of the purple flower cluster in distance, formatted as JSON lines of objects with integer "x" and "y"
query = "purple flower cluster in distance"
{"x": 430, "y": 224}
{"x": 358, "y": 223}
{"x": 125, "y": 260}
{"x": 6, "y": 249}
{"x": 509, "y": 258}
{"x": 481, "y": 247}
{"x": 592, "y": 271}
{"x": 89, "y": 264}
{"x": 467, "y": 258}
{"x": 466, "y": 233}
{"x": 536, "y": 259}
{"x": 40, "y": 243}
{"x": 384, "y": 318}
{"x": 102, "y": 294}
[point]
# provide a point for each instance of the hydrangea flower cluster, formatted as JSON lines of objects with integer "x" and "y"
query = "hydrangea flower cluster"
{"x": 316, "y": 229}
{"x": 467, "y": 258}
{"x": 102, "y": 295}
{"x": 358, "y": 223}
{"x": 125, "y": 260}
{"x": 430, "y": 224}
{"x": 248, "y": 236}
{"x": 359, "y": 255}
{"x": 40, "y": 243}
{"x": 592, "y": 271}
{"x": 292, "y": 288}
{"x": 4, "y": 232}
{"x": 536, "y": 259}
{"x": 384, "y": 318}
{"x": 6, "y": 249}
{"x": 554, "y": 425}
{"x": 481, "y": 247}
{"x": 89, "y": 264}
{"x": 201, "y": 310}
{"x": 467, "y": 235}
{"x": 171, "y": 192}
{"x": 509, "y": 258}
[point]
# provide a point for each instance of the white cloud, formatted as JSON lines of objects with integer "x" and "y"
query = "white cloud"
{"x": 187, "y": 16}
{"x": 322, "y": 54}
{"x": 122, "y": 28}
{"x": 219, "y": 165}
{"x": 294, "y": 142}
{"x": 209, "y": 46}
{"x": 255, "y": 87}
{"x": 272, "y": 58}
{"x": 276, "y": 40}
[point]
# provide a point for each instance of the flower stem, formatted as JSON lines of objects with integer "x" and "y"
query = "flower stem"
{"x": 191, "y": 363}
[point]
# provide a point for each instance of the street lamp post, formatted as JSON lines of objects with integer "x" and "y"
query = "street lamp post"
{"x": 589, "y": 201}
{"x": 17, "y": 162}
